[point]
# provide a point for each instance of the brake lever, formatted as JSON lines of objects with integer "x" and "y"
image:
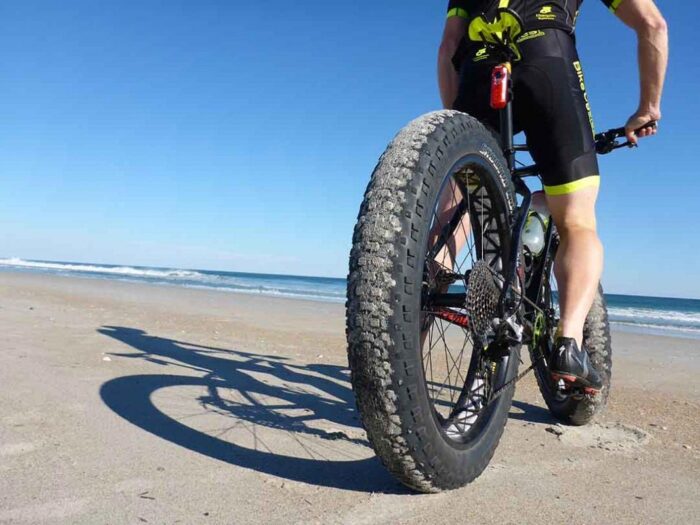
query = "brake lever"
{"x": 607, "y": 141}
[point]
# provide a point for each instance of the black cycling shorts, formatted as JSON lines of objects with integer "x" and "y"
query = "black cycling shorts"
{"x": 550, "y": 105}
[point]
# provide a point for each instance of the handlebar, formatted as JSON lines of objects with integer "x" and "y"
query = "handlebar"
{"x": 607, "y": 141}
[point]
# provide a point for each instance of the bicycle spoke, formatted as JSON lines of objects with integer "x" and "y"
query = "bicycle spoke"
{"x": 453, "y": 366}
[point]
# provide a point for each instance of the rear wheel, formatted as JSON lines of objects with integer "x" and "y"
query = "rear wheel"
{"x": 432, "y": 237}
{"x": 575, "y": 408}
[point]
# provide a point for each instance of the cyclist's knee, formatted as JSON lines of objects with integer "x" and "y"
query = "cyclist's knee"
{"x": 574, "y": 212}
{"x": 576, "y": 224}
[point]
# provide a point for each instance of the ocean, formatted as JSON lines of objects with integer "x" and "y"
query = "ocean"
{"x": 655, "y": 315}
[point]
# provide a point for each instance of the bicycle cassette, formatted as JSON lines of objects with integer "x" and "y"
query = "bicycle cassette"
{"x": 483, "y": 295}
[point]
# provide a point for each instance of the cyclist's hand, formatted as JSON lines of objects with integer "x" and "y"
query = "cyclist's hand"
{"x": 639, "y": 119}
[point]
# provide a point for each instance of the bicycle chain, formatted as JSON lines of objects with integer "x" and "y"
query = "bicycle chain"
{"x": 517, "y": 378}
{"x": 529, "y": 369}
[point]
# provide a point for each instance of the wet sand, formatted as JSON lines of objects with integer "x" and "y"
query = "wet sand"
{"x": 134, "y": 403}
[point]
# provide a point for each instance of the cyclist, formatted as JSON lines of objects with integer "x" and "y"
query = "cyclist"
{"x": 551, "y": 107}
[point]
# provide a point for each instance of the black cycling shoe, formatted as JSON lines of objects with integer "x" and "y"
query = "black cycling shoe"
{"x": 573, "y": 366}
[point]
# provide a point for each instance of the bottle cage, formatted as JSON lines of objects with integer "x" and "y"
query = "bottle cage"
{"x": 501, "y": 33}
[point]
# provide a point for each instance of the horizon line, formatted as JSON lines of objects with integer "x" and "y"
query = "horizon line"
{"x": 3, "y": 262}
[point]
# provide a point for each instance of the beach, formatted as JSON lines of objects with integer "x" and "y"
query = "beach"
{"x": 129, "y": 402}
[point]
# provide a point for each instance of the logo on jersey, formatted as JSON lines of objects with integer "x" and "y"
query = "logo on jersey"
{"x": 480, "y": 55}
{"x": 529, "y": 36}
{"x": 546, "y": 13}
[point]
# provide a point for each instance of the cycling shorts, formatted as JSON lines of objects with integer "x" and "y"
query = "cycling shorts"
{"x": 550, "y": 105}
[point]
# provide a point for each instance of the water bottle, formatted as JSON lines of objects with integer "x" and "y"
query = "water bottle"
{"x": 536, "y": 224}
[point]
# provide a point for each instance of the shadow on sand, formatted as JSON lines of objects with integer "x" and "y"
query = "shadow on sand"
{"x": 293, "y": 398}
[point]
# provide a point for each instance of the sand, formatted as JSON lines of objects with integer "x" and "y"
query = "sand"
{"x": 134, "y": 403}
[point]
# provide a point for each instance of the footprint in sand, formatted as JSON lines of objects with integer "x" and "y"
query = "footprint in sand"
{"x": 15, "y": 449}
{"x": 613, "y": 437}
{"x": 42, "y": 512}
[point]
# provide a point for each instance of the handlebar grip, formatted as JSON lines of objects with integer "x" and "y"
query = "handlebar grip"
{"x": 621, "y": 132}
{"x": 650, "y": 124}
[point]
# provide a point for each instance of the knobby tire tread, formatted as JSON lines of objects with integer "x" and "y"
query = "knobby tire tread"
{"x": 381, "y": 289}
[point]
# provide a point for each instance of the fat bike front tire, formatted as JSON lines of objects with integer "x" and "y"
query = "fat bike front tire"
{"x": 387, "y": 337}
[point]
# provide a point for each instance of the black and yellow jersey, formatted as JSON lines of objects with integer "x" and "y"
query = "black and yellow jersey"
{"x": 536, "y": 14}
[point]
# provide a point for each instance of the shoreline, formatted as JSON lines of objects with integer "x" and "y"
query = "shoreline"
{"x": 145, "y": 281}
{"x": 617, "y": 326}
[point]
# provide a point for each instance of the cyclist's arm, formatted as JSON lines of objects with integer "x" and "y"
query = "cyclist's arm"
{"x": 448, "y": 79}
{"x": 652, "y": 34}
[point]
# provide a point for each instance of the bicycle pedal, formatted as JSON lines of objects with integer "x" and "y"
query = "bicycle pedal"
{"x": 567, "y": 383}
{"x": 563, "y": 377}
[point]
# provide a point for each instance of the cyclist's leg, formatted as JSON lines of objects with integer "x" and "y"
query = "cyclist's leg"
{"x": 447, "y": 207}
{"x": 552, "y": 104}
{"x": 579, "y": 262}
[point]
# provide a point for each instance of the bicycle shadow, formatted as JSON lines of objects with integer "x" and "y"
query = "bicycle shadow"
{"x": 271, "y": 392}
{"x": 321, "y": 390}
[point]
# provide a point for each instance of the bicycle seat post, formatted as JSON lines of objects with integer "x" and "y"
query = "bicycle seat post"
{"x": 502, "y": 95}
{"x": 506, "y": 123}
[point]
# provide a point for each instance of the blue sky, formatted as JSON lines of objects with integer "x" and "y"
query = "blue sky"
{"x": 241, "y": 135}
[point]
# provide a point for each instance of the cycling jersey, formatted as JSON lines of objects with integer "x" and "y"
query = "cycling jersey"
{"x": 536, "y": 14}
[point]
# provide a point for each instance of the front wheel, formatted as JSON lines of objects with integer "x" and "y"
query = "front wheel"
{"x": 432, "y": 237}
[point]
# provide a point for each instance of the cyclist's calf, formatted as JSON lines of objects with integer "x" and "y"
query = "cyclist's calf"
{"x": 579, "y": 260}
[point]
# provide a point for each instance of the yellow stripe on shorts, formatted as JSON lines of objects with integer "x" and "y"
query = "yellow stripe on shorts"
{"x": 571, "y": 187}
